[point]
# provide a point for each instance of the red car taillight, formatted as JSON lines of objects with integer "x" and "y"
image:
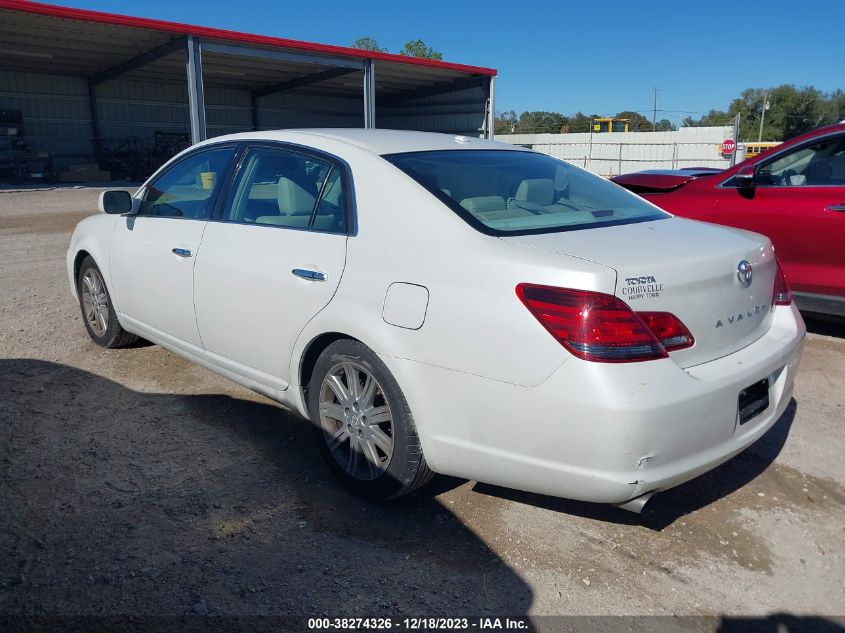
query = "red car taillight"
{"x": 591, "y": 325}
{"x": 669, "y": 330}
{"x": 781, "y": 295}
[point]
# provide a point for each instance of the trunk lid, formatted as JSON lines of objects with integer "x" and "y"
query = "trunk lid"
{"x": 656, "y": 181}
{"x": 684, "y": 267}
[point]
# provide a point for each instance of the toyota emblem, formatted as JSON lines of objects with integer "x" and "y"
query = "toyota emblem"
{"x": 744, "y": 273}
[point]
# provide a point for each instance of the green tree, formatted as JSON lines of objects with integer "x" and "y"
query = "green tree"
{"x": 712, "y": 118}
{"x": 418, "y": 48}
{"x": 791, "y": 111}
{"x": 368, "y": 43}
{"x": 541, "y": 123}
{"x": 580, "y": 122}
{"x": 641, "y": 123}
{"x": 637, "y": 123}
{"x": 505, "y": 122}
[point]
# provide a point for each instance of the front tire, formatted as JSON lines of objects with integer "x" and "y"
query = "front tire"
{"x": 363, "y": 423}
{"x": 98, "y": 312}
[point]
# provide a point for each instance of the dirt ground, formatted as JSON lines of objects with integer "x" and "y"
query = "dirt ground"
{"x": 132, "y": 482}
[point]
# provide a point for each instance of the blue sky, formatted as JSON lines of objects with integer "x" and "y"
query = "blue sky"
{"x": 564, "y": 56}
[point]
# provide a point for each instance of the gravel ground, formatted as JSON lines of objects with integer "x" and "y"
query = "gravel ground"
{"x": 133, "y": 482}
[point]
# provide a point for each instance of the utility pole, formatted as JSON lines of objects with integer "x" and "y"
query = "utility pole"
{"x": 763, "y": 115}
{"x": 654, "y": 112}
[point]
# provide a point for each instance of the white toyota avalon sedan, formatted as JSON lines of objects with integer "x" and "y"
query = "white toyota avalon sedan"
{"x": 444, "y": 304}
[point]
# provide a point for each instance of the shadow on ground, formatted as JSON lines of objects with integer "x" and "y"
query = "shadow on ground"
{"x": 667, "y": 507}
{"x": 121, "y": 502}
{"x": 824, "y": 324}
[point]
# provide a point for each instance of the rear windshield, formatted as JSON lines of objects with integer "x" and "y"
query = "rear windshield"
{"x": 506, "y": 192}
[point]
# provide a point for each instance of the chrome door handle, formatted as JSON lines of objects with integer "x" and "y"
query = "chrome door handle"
{"x": 310, "y": 275}
{"x": 181, "y": 252}
{"x": 835, "y": 207}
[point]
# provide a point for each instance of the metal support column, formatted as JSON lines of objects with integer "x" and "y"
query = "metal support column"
{"x": 96, "y": 141}
{"x": 491, "y": 108}
{"x": 369, "y": 94}
{"x": 254, "y": 112}
{"x": 196, "y": 95}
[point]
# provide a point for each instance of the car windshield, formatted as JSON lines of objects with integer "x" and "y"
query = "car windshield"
{"x": 506, "y": 192}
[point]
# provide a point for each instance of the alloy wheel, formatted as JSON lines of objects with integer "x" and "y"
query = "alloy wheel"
{"x": 95, "y": 302}
{"x": 356, "y": 420}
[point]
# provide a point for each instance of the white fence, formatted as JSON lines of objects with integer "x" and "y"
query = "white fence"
{"x": 611, "y": 154}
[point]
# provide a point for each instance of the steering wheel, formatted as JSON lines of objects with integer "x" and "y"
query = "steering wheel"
{"x": 786, "y": 177}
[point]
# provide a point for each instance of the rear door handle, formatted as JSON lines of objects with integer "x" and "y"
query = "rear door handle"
{"x": 835, "y": 207}
{"x": 310, "y": 275}
{"x": 181, "y": 252}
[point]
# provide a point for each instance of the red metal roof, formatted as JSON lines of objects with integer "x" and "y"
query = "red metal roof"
{"x": 86, "y": 15}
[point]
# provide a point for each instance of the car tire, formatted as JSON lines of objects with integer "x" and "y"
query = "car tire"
{"x": 348, "y": 384}
{"x": 98, "y": 313}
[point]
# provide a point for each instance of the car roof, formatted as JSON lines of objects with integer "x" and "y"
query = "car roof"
{"x": 374, "y": 140}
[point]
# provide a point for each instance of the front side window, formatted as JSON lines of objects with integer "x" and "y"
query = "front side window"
{"x": 186, "y": 189}
{"x": 505, "y": 192}
{"x": 821, "y": 164}
{"x": 281, "y": 188}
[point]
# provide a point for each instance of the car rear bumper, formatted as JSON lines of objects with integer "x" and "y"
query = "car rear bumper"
{"x": 601, "y": 432}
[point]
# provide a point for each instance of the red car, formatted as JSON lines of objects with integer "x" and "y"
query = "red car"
{"x": 794, "y": 194}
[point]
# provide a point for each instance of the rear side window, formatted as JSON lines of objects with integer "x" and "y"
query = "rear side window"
{"x": 276, "y": 187}
{"x": 821, "y": 164}
{"x": 506, "y": 192}
{"x": 186, "y": 189}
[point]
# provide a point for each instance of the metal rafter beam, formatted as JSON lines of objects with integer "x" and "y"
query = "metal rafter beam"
{"x": 436, "y": 89}
{"x": 307, "y": 80}
{"x": 279, "y": 55}
{"x": 177, "y": 44}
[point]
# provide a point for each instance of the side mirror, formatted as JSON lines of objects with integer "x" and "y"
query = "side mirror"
{"x": 115, "y": 201}
{"x": 745, "y": 177}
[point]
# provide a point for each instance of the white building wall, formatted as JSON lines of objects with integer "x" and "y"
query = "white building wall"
{"x": 611, "y": 154}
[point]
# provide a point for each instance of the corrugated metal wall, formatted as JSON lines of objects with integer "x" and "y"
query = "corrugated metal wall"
{"x": 459, "y": 112}
{"x": 227, "y": 110}
{"x": 294, "y": 109}
{"x": 138, "y": 108}
{"x": 57, "y": 114}
{"x": 57, "y": 117}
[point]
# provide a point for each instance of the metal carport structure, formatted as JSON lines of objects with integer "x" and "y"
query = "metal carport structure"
{"x": 84, "y": 77}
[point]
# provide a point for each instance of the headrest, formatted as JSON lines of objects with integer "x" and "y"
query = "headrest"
{"x": 537, "y": 190}
{"x": 294, "y": 199}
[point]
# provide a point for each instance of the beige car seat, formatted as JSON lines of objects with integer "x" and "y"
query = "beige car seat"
{"x": 295, "y": 204}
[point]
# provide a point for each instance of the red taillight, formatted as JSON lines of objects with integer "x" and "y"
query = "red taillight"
{"x": 782, "y": 295}
{"x": 668, "y": 329}
{"x": 591, "y": 325}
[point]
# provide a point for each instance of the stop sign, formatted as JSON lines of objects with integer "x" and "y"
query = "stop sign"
{"x": 728, "y": 147}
